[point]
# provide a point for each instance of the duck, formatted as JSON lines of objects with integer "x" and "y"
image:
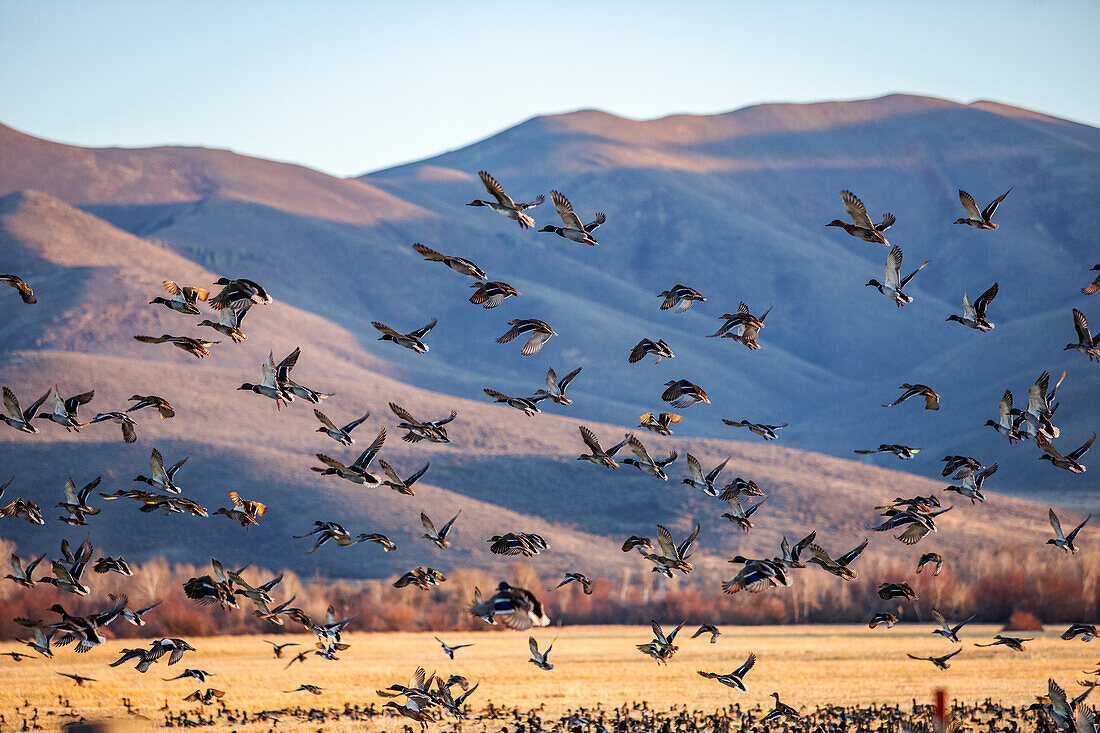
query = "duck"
{"x": 883, "y": 618}
{"x": 527, "y": 405}
{"x": 282, "y": 376}
{"x": 504, "y": 204}
{"x": 662, "y": 647}
{"x": 517, "y": 543}
{"x": 734, "y": 679}
{"x": 672, "y": 556}
{"x": 680, "y": 295}
{"x": 1035, "y": 422}
{"x": 971, "y": 486}
{"x": 241, "y": 293}
{"x": 1012, "y": 642}
{"x": 974, "y": 315}
{"x": 681, "y": 393}
{"x": 160, "y": 478}
{"x": 450, "y": 650}
{"x": 21, "y": 508}
{"x": 269, "y": 386}
{"x": 184, "y": 298}
{"x": 756, "y": 576}
{"x": 245, "y": 511}
{"x": 76, "y": 502}
{"x": 65, "y": 411}
{"x": 738, "y": 514}
{"x": 780, "y": 711}
{"x": 197, "y": 674}
{"x": 791, "y": 556}
{"x": 197, "y": 348}
{"x": 411, "y": 340}
{"x": 18, "y": 418}
{"x": 598, "y": 455}
{"x": 208, "y": 589}
{"x": 555, "y": 388}
{"x": 163, "y": 406}
{"x": 951, "y": 633}
{"x": 205, "y": 698}
{"x": 903, "y": 452}
{"x": 861, "y": 226}
{"x": 432, "y": 431}
{"x": 1004, "y": 425}
{"x": 839, "y": 566}
{"x": 1094, "y": 287}
{"x": 1087, "y": 344}
{"x": 25, "y": 291}
{"x": 892, "y": 287}
{"x": 229, "y": 323}
{"x": 573, "y": 230}
{"x": 648, "y": 346}
{"x": 661, "y": 424}
{"x": 491, "y": 294}
{"x": 1064, "y": 541}
{"x": 979, "y": 219}
{"x": 930, "y": 557}
{"x": 1087, "y": 632}
{"x": 742, "y": 326}
{"x": 767, "y": 432}
{"x": 398, "y": 484}
{"x": 1069, "y": 462}
{"x": 357, "y": 472}
{"x": 341, "y": 435}
{"x": 129, "y": 427}
{"x": 420, "y": 577}
{"x": 540, "y": 659}
{"x": 438, "y": 538}
{"x": 741, "y": 486}
{"x": 540, "y": 333}
{"x": 460, "y": 265}
{"x": 708, "y": 629}
{"x": 917, "y": 524}
{"x": 940, "y": 662}
{"x": 931, "y": 398}
{"x": 644, "y": 463}
{"x": 888, "y": 591}
{"x": 114, "y": 565}
{"x": 698, "y": 481}
{"x": 24, "y": 576}
{"x": 516, "y": 608}
{"x": 581, "y": 578}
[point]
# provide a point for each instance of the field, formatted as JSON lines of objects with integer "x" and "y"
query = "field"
{"x": 807, "y": 665}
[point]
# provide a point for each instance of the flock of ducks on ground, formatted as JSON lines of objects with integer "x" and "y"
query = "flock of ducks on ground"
{"x": 514, "y": 607}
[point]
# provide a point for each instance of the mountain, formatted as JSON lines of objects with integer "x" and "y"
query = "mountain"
{"x": 733, "y": 205}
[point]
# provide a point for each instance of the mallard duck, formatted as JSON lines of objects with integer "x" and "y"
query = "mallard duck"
{"x": 270, "y": 387}
{"x": 661, "y": 424}
{"x": 398, "y": 484}
{"x": 672, "y": 556}
{"x": 931, "y": 398}
{"x": 340, "y": 435}
{"x": 1094, "y": 287}
{"x": 682, "y": 295}
{"x": 736, "y": 678}
{"x": 756, "y": 576}
{"x": 1087, "y": 632}
{"x": 25, "y": 291}
{"x": 197, "y": 348}
{"x": 838, "y": 567}
{"x": 742, "y": 486}
{"x": 492, "y": 294}
{"x": 245, "y": 511}
{"x": 324, "y": 532}
{"x": 18, "y": 418}
{"x": 79, "y": 680}
{"x": 599, "y": 456}
{"x": 516, "y": 608}
{"x": 433, "y": 431}
{"x": 888, "y": 591}
{"x": 888, "y": 619}
{"x": 933, "y": 558}
{"x": 160, "y": 478}
{"x": 586, "y": 584}
{"x": 209, "y": 589}
{"x": 555, "y": 389}
{"x": 460, "y": 265}
{"x": 278, "y": 648}
{"x": 646, "y": 464}
{"x": 1064, "y": 541}
{"x": 504, "y": 204}
{"x": 1004, "y": 425}
{"x": 917, "y": 524}
{"x": 903, "y": 452}
{"x": 450, "y": 650}
{"x": 540, "y": 333}
{"x": 540, "y": 659}
{"x": 527, "y": 405}
{"x": 951, "y": 633}
{"x": 205, "y": 698}
{"x": 681, "y": 393}
{"x": 708, "y": 629}
{"x": 517, "y": 543}
{"x": 357, "y": 472}
{"x": 780, "y": 711}
{"x": 229, "y": 323}
{"x": 662, "y": 647}
{"x": 196, "y": 674}
{"x": 698, "y": 481}
{"x": 162, "y": 405}
{"x": 65, "y": 411}
{"x": 767, "y": 432}
{"x": 573, "y": 229}
{"x": 76, "y": 502}
{"x": 183, "y": 300}
{"x": 961, "y": 466}
{"x": 738, "y": 514}
{"x": 641, "y": 544}
{"x": 129, "y": 427}
{"x": 646, "y": 346}
{"x": 971, "y": 486}
{"x": 940, "y": 662}
{"x": 24, "y": 576}
{"x": 21, "y": 508}
{"x": 861, "y": 226}
{"x": 979, "y": 219}
{"x": 410, "y": 340}
{"x": 742, "y": 326}
{"x": 1012, "y": 642}
{"x": 974, "y": 313}
{"x": 1087, "y": 344}
{"x": 110, "y": 564}
{"x": 1036, "y": 421}
{"x": 1069, "y": 462}
{"x": 894, "y": 282}
{"x": 791, "y": 556}
{"x": 238, "y": 294}
{"x": 439, "y": 538}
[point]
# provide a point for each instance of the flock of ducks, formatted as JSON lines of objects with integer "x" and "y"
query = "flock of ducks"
{"x": 427, "y": 696}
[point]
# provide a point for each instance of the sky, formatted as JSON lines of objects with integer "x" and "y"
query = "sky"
{"x": 350, "y": 87}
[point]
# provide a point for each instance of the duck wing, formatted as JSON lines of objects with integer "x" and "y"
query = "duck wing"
{"x": 990, "y": 210}
{"x": 888, "y": 221}
{"x": 595, "y": 223}
{"x": 986, "y": 298}
{"x": 905, "y": 280}
{"x": 590, "y": 440}
{"x": 1082, "y": 326}
{"x": 1075, "y": 455}
{"x": 852, "y": 554}
{"x": 423, "y": 330}
{"x": 1055, "y": 524}
{"x": 565, "y": 211}
{"x": 567, "y": 379}
{"x": 325, "y": 421}
{"x": 970, "y": 205}
{"x": 496, "y": 190}
{"x": 856, "y": 210}
{"x": 744, "y": 668}
{"x": 893, "y": 268}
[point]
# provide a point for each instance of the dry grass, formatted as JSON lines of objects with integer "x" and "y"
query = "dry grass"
{"x": 806, "y": 665}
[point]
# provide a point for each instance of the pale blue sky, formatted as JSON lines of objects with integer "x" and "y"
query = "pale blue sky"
{"x": 351, "y": 87}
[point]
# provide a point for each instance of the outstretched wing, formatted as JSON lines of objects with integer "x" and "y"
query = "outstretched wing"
{"x": 970, "y": 206}
{"x": 856, "y": 210}
{"x": 565, "y": 211}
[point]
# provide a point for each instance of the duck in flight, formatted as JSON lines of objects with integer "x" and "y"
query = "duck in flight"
{"x": 598, "y": 455}
{"x": 892, "y": 287}
{"x": 974, "y": 313}
{"x": 682, "y": 295}
{"x": 931, "y": 398}
{"x": 460, "y": 265}
{"x": 646, "y": 346}
{"x": 540, "y": 333}
{"x": 1064, "y": 541}
{"x": 491, "y": 294}
{"x": 660, "y": 424}
{"x": 979, "y": 219}
{"x": 411, "y": 340}
{"x": 1087, "y": 344}
{"x": 184, "y": 298}
{"x": 861, "y": 226}
{"x": 25, "y": 291}
{"x": 573, "y": 229}
{"x": 504, "y": 205}
{"x": 767, "y": 432}
{"x": 197, "y": 348}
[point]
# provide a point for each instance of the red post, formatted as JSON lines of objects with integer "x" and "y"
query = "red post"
{"x": 939, "y": 719}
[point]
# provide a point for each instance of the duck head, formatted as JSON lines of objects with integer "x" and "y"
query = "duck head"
{"x": 873, "y": 284}
{"x": 549, "y": 228}
{"x": 835, "y": 223}
{"x": 477, "y": 202}
{"x": 962, "y": 221}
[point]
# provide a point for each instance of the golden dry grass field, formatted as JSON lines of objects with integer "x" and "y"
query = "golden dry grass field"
{"x": 807, "y": 665}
